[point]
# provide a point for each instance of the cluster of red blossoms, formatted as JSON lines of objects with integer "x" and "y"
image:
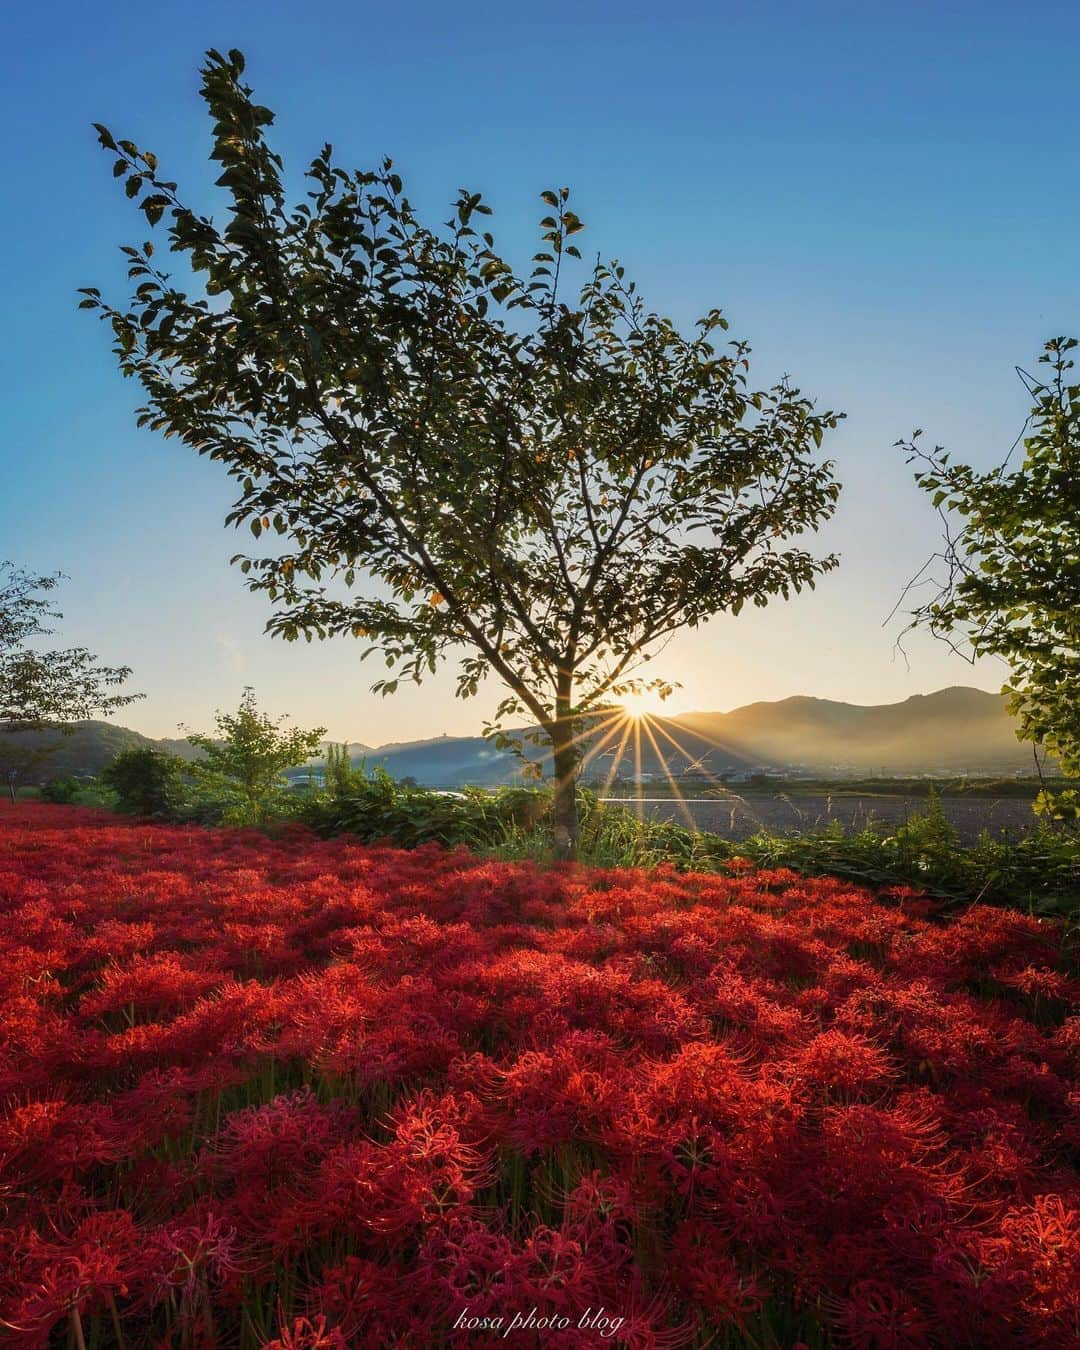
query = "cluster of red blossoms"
{"x": 316, "y": 1094}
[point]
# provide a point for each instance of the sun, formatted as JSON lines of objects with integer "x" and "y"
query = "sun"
{"x": 646, "y": 704}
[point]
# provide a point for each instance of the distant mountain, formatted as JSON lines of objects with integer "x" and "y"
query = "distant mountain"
{"x": 85, "y": 750}
{"x": 954, "y": 730}
{"x": 957, "y": 730}
{"x": 450, "y": 761}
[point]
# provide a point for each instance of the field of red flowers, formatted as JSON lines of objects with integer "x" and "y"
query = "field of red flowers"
{"x": 316, "y": 1094}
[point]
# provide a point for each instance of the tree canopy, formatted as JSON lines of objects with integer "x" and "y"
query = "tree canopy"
{"x": 455, "y": 459}
{"x": 1012, "y": 587}
{"x": 147, "y": 781}
{"x": 245, "y": 762}
{"x": 42, "y": 689}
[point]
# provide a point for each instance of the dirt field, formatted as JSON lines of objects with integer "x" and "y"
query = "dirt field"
{"x": 743, "y": 815}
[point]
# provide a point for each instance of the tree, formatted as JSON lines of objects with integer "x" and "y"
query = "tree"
{"x": 341, "y": 777}
{"x": 60, "y": 791}
{"x": 1012, "y": 588}
{"x": 147, "y": 781}
{"x": 456, "y": 459}
{"x": 246, "y": 761}
{"x": 43, "y": 690}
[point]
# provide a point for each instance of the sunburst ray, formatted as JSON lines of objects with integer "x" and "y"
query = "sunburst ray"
{"x": 676, "y": 790}
{"x": 717, "y": 783}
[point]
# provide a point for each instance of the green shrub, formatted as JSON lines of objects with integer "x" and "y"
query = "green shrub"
{"x": 1038, "y": 872}
{"x": 509, "y": 822}
{"x": 147, "y": 782}
{"x": 376, "y": 806}
{"x": 60, "y": 791}
{"x": 93, "y": 792}
{"x": 242, "y": 770}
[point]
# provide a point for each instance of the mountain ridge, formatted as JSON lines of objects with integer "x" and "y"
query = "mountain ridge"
{"x": 947, "y": 691}
{"x": 958, "y": 729}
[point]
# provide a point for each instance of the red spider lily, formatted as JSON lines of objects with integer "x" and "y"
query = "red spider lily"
{"x": 705, "y": 1268}
{"x": 305, "y": 1334}
{"x": 878, "y": 1314}
{"x": 842, "y": 1063}
{"x": 313, "y": 1094}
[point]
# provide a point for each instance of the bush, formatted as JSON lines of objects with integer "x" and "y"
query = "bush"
{"x": 1038, "y": 872}
{"x": 93, "y": 792}
{"x": 60, "y": 791}
{"x": 147, "y": 782}
{"x": 377, "y": 806}
{"x": 242, "y": 770}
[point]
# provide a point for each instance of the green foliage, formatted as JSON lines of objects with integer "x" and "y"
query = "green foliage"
{"x": 544, "y": 487}
{"x": 377, "y": 806}
{"x": 147, "y": 782}
{"x": 43, "y": 689}
{"x": 612, "y": 836}
{"x": 60, "y": 791}
{"x": 93, "y": 792}
{"x": 243, "y": 766}
{"x": 341, "y": 778}
{"x": 1013, "y": 588}
{"x": 1037, "y": 872}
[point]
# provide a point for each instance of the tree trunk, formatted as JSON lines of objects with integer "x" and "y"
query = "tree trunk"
{"x": 564, "y": 805}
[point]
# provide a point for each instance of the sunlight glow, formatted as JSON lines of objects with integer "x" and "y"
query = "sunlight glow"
{"x": 645, "y": 704}
{"x": 631, "y": 719}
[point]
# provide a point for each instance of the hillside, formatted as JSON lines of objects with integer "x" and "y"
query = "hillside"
{"x": 953, "y": 730}
{"x": 85, "y": 750}
{"x": 957, "y": 730}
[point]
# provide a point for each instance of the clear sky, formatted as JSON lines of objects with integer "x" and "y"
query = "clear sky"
{"x": 881, "y": 196}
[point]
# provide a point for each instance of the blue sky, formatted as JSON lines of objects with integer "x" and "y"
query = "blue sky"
{"x": 880, "y": 196}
